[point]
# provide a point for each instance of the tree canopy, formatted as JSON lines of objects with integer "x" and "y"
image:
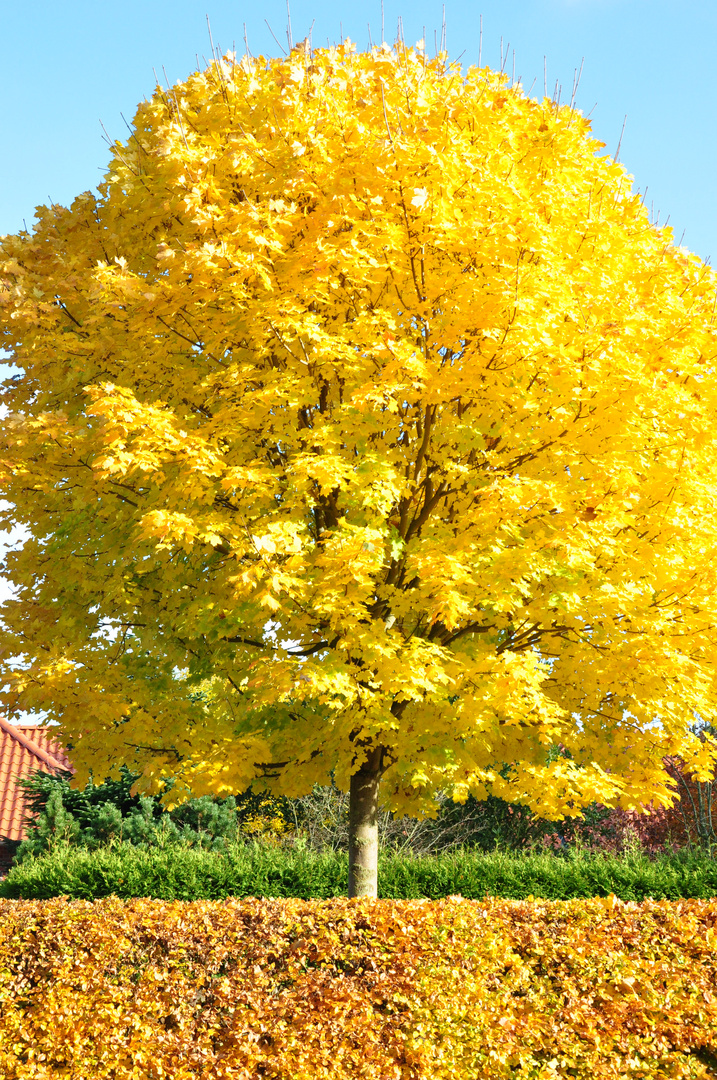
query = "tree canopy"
{"x": 363, "y": 421}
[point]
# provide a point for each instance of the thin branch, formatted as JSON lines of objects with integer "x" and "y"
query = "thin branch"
{"x": 309, "y": 650}
{"x": 289, "y": 36}
{"x": 471, "y": 628}
{"x": 69, "y": 314}
{"x": 385, "y": 114}
{"x": 617, "y": 152}
{"x": 275, "y": 38}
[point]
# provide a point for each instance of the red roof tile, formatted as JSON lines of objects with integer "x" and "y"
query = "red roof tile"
{"x": 23, "y": 750}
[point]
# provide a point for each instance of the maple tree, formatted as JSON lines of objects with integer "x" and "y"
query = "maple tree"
{"x": 364, "y": 427}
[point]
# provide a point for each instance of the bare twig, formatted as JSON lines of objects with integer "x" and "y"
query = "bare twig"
{"x": 617, "y": 152}
{"x": 275, "y": 37}
{"x": 385, "y": 114}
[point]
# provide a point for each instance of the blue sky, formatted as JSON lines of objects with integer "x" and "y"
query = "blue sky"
{"x": 66, "y": 67}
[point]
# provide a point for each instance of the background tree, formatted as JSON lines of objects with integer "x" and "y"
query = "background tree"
{"x": 697, "y": 806}
{"x": 363, "y": 426}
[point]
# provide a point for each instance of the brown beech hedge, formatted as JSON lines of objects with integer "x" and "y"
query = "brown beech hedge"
{"x": 386, "y": 990}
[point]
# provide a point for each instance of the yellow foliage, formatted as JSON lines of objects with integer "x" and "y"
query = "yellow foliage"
{"x": 362, "y": 407}
{"x": 387, "y": 990}
{"x": 266, "y": 821}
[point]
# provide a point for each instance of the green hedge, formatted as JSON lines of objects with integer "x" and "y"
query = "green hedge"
{"x": 177, "y": 872}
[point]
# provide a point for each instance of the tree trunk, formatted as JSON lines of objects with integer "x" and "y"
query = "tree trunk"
{"x": 363, "y": 826}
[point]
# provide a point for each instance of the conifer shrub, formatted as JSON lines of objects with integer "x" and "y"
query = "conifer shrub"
{"x": 109, "y": 811}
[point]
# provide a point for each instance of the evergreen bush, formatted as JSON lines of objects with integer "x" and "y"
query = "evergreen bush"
{"x": 100, "y": 813}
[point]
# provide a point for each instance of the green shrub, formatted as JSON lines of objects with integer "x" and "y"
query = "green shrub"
{"x": 179, "y": 871}
{"x": 98, "y": 814}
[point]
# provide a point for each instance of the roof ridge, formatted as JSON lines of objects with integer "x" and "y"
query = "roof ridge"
{"x": 28, "y": 743}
